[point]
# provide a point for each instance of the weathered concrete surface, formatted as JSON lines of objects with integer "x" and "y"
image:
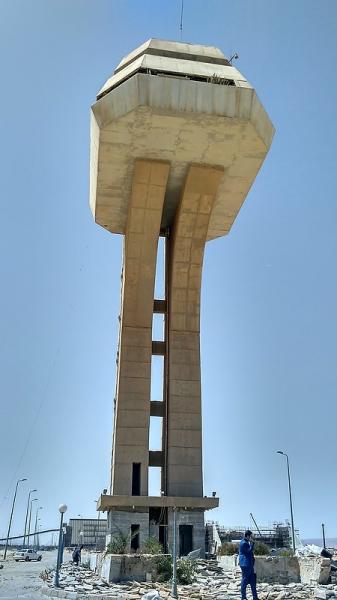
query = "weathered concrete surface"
{"x": 162, "y": 55}
{"x": 278, "y": 569}
{"x": 128, "y": 567}
{"x": 285, "y": 570}
{"x": 107, "y": 502}
{"x": 184, "y": 428}
{"x": 177, "y": 138}
{"x": 183, "y": 121}
{"x": 132, "y": 413}
{"x": 315, "y": 569}
{"x": 228, "y": 563}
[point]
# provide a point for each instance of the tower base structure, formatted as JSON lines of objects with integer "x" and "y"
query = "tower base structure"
{"x": 142, "y": 517}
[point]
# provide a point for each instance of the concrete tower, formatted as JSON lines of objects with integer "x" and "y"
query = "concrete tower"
{"x": 178, "y": 136}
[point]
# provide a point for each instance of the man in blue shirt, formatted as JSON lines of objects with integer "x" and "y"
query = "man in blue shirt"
{"x": 246, "y": 562}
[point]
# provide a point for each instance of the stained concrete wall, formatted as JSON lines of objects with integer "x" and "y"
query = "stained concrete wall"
{"x": 120, "y": 521}
{"x": 188, "y": 517}
{"x": 277, "y": 569}
{"x": 315, "y": 569}
{"x": 132, "y": 414}
{"x": 126, "y": 567}
{"x": 284, "y": 569}
{"x": 184, "y": 460}
{"x": 181, "y": 121}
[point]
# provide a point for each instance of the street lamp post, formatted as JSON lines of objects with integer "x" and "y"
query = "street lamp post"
{"x": 97, "y": 532}
{"x": 36, "y": 516}
{"x": 290, "y": 499}
{"x": 27, "y": 512}
{"x": 174, "y": 590}
{"x": 29, "y": 520}
{"x": 11, "y": 517}
{"x": 323, "y": 535}
{"x": 98, "y": 519}
{"x": 62, "y": 509}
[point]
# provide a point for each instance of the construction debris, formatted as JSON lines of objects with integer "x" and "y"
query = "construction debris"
{"x": 211, "y": 583}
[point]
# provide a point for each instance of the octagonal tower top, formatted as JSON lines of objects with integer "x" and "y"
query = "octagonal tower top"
{"x": 181, "y": 103}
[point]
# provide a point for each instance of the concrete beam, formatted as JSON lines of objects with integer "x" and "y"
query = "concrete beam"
{"x": 107, "y": 502}
{"x": 156, "y": 458}
{"x": 157, "y": 408}
{"x": 159, "y": 306}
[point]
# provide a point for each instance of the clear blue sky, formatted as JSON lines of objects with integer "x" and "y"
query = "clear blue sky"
{"x": 269, "y": 324}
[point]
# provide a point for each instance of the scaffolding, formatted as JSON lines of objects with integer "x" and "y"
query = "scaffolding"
{"x": 277, "y": 535}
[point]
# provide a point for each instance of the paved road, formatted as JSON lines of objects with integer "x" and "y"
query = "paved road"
{"x": 21, "y": 580}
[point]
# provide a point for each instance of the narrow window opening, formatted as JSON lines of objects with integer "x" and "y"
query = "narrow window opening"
{"x": 154, "y": 481}
{"x": 136, "y": 479}
{"x": 156, "y": 432}
{"x": 159, "y": 287}
{"x": 158, "y": 322}
{"x": 157, "y": 377}
{"x": 134, "y": 537}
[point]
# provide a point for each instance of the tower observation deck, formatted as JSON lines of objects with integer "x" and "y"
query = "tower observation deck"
{"x": 178, "y": 136}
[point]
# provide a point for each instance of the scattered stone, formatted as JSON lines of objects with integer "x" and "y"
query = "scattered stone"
{"x": 152, "y": 595}
{"x": 211, "y": 583}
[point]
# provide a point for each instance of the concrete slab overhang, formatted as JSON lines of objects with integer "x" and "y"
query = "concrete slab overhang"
{"x": 150, "y": 114}
{"x": 107, "y": 502}
{"x": 183, "y": 50}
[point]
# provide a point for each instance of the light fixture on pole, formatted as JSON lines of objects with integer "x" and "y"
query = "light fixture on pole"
{"x": 35, "y": 529}
{"x": 62, "y": 509}
{"x": 174, "y": 589}
{"x": 30, "y": 518}
{"x": 38, "y": 534}
{"x": 11, "y": 517}
{"x": 290, "y": 500}
{"x": 27, "y": 512}
{"x": 81, "y": 538}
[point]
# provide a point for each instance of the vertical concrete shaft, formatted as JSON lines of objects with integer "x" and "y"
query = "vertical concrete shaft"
{"x": 188, "y": 239}
{"x": 132, "y": 411}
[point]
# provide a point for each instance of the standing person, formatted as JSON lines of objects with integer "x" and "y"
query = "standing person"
{"x": 77, "y": 555}
{"x": 246, "y": 562}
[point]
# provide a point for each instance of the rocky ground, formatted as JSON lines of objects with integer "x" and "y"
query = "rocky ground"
{"x": 212, "y": 583}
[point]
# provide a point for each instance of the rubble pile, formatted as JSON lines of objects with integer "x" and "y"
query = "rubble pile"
{"x": 326, "y": 592}
{"x": 211, "y": 583}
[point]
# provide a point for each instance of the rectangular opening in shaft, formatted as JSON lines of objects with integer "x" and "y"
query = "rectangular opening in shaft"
{"x": 154, "y": 481}
{"x": 157, "y": 377}
{"x": 136, "y": 479}
{"x": 159, "y": 287}
{"x": 158, "y": 323}
{"x": 156, "y": 432}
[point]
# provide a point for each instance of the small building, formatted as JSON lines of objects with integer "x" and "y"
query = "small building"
{"x": 89, "y": 532}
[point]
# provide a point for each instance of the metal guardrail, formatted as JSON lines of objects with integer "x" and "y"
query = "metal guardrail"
{"x": 20, "y": 537}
